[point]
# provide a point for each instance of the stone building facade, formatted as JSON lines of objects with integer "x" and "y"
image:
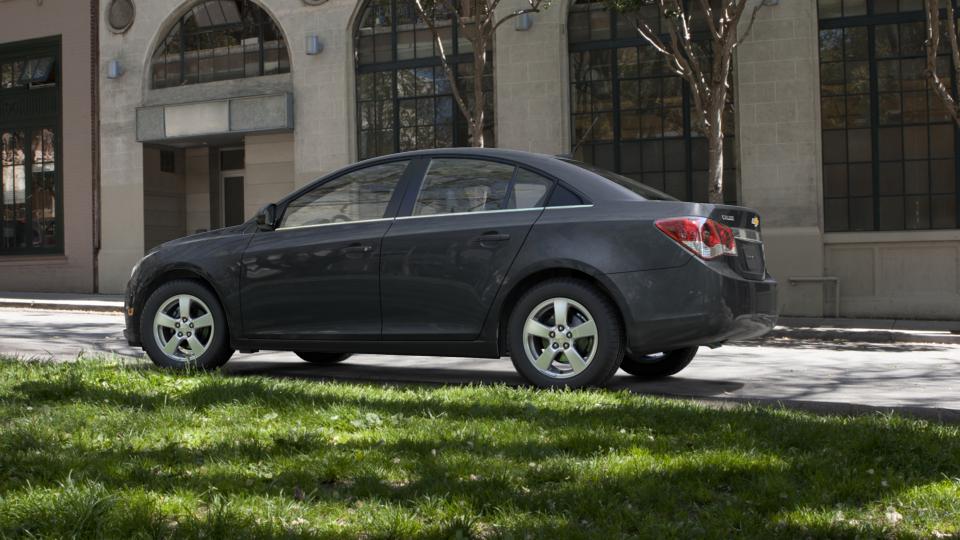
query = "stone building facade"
{"x": 859, "y": 217}
{"x": 48, "y": 145}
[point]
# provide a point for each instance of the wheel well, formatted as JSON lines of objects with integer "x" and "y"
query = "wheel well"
{"x": 169, "y": 276}
{"x": 538, "y": 277}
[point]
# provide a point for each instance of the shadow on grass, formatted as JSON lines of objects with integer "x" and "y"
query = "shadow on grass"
{"x": 568, "y": 466}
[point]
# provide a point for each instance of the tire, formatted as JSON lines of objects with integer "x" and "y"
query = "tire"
{"x": 209, "y": 334}
{"x": 323, "y": 358}
{"x": 649, "y": 366}
{"x": 601, "y": 349}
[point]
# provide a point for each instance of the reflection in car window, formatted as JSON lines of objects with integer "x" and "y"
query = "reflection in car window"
{"x": 529, "y": 190}
{"x": 455, "y": 186}
{"x": 356, "y": 196}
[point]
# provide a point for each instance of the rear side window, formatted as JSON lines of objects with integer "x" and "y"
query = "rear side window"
{"x": 564, "y": 197}
{"x": 529, "y": 190}
{"x": 457, "y": 186}
{"x": 356, "y": 196}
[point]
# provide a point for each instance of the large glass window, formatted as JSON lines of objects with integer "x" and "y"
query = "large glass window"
{"x": 218, "y": 40}
{"x": 630, "y": 113}
{"x": 356, "y": 196}
{"x": 30, "y": 187}
{"x": 404, "y": 99}
{"x": 889, "y": 145}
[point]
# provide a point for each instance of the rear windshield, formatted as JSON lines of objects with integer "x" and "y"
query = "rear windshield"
{"x": 635, "y": 186}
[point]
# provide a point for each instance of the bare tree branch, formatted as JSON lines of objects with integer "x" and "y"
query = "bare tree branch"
{"x": 451, "y": 77}
{"x": 933, "y": 48}
{"x": 708, "y": 14}
{"x": 753, "y": 19}
{"x": 535, "y": 8}
{"x": 708, "y": 84}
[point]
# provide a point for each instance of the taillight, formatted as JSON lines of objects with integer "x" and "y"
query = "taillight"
{"x": 704, "y": 237}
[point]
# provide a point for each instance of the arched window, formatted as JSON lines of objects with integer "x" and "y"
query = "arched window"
{"x": 630, "y": 114}
{"x": 404, "y": 100}
{"x": 218, "y": 40}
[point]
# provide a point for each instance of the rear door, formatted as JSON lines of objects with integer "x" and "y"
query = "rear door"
{"x": 446, "y": 255}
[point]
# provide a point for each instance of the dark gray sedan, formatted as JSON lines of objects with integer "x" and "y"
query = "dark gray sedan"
{"x": 572, "y": 271}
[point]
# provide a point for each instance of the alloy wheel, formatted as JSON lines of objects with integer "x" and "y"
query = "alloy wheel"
{"x": 183, "y": 327}
{"x": 560, "y": 338}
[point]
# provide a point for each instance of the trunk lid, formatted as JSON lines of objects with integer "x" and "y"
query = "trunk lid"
{"x": 745, "y": 224}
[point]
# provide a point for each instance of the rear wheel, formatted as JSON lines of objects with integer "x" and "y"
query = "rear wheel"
{"x": 183, "y": 326}
{"x": 323, "y": 358}
{"x": 565, "y": 333}
{"x": 655, "y": 366}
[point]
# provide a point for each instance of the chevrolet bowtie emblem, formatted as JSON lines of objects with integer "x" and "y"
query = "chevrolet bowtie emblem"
{"x": 755, "y": 221}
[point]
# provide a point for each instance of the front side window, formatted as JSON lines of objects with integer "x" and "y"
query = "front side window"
{"x": 889, "y": 145}
{"x": 218, "y": 40}
{"x": 359, "y": 195}
{"x": 404, "y": 98}
{"x": 30, "y": 187}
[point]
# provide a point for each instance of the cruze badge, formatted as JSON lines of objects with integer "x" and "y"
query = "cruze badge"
{"x": 755, "y": 221}
{"x": 728, "y": 218}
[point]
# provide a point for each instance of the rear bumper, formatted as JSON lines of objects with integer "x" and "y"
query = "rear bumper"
{"x": 694, "y": 304}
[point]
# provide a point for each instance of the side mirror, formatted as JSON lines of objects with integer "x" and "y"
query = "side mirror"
{"x": 267, "y": 218}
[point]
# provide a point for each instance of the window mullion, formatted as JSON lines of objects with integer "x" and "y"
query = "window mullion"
{"x": 28, "y": 186}
{"x": 874, "y": 123}
{"x": 615, "y": 95}
{"x": 687, "y": 138}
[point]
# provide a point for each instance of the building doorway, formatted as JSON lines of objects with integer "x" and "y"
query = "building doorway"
{"x": 232, "y": 185}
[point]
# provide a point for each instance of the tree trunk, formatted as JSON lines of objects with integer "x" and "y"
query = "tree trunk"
{"x": 715, "y": 152}
{"x": 476, "y": 122}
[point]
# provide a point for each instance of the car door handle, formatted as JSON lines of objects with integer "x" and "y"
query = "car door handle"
{"x": 492, "y": 237}
{"x": 357, "y": 249}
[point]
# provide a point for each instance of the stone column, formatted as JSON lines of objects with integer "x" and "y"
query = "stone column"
{"x": 778, "y": 133}
{"x": 530, "y": 76}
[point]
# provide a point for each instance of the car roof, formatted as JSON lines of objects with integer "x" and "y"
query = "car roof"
{"x": 590, "y": 184}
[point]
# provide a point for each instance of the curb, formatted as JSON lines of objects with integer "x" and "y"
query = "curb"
{"x": 98, "y": 307}
{"x": 862, "y": 336}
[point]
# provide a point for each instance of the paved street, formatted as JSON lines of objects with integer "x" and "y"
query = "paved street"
{"x": 812, "y": 373}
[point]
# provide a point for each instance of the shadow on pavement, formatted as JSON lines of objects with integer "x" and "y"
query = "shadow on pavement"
{"x": 358, "y": 372}
{"x": 841, "y": 345}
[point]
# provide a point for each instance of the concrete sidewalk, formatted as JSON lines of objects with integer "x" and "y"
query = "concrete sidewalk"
{"x": 789, "y": 328}
{"x": 111, "y": 303}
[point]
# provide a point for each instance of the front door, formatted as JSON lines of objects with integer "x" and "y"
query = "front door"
{"x": 317, "y": 275}
{"x": 444, "y": 263}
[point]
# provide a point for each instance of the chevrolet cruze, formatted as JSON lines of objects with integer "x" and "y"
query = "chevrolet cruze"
{"x": 571, "y": 271}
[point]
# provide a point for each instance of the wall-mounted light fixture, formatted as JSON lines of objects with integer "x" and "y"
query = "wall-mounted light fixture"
{"x": 114, "y": 69}
{"x": 314, "y": 46}
{"x": 524, "y": 22}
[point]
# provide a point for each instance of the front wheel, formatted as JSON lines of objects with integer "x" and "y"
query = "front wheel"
{"x": 565, "y": 333}
{"x": 323, "y": 358}
{"x": 655, "y": 366}
{"x": 183, "y": 326}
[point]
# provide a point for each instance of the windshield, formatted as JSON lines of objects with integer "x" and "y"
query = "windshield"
{"x": 635, "y": 186}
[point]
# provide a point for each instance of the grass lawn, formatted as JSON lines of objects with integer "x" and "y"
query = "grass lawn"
{"x": 106, "y": 449}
